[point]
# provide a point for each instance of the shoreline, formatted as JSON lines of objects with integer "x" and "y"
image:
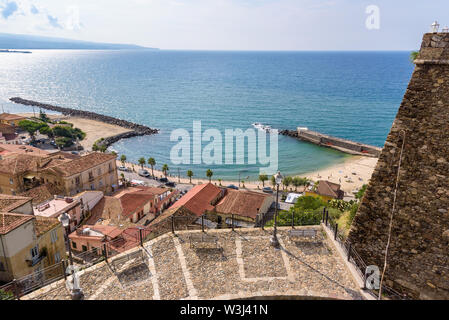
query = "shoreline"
{"x": 363, "y": 166}
{"x": 338, "y": 173}
{"x": 134, "y": 129}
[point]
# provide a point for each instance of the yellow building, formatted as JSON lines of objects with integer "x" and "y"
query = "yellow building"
{"x": 72, "y": 174}
{"x": 29, "y": 244}
{"x": 11, "y": 119}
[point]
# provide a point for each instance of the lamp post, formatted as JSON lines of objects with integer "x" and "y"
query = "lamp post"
{"x": 76, "y": 293}
{"x": 435, "y": 26}
{"x": 274, "y": 240}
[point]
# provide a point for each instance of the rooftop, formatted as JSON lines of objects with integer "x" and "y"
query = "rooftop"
{"x": 10, "y": 221}
{"x": 199, "y": 199}
{"x": 42, "y": 193}
{"x": 10, "y": 117}
{"x": 43, "y": 225}
{"x": 329, "y": 189}
{"x": 10, "y": 202}
{"x": 6, "y": 149}
{"x": 54, "y": 207}
{"x": 243, "y": 203}
{"x": 83, "y": 163}
{"x": 244, "y": 265}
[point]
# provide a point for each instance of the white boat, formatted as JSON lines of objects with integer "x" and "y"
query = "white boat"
{"x": 262, "y": 127}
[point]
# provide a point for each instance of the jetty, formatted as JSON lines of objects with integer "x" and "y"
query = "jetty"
{"x": 136, "y": 129}
{"x": 343, "y": 145}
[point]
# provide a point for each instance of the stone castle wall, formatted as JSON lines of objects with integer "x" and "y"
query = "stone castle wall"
{"x": 418, "y": 257}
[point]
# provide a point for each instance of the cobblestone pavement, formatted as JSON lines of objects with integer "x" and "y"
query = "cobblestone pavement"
{"x": 242, "y": 264}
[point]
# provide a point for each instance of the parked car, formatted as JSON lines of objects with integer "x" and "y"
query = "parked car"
{"x": 143, "y": 173}
{"x": 231, "y": 186}
{"x": 170, "y": 184}
{"x": 267, "y": 190}
{"x": 122, "y": 168}
{"x": 163, "y": 180}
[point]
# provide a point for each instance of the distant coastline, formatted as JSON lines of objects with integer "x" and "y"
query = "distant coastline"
{"x": 13, "y": 51}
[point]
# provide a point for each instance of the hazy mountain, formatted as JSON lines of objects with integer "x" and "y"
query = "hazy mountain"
{"x": 20, "y": 41}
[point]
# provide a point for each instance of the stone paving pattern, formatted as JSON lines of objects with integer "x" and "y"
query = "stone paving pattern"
{"x": 242, "y": 265}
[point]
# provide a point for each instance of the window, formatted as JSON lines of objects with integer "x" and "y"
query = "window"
{"x": 77, "y": 180}
{"x": 35, "y": 252}
{"x": 11, "y": 181}
{"x": 100, "y": 184}
{"x": 2, "y": 267}
{"x": 84, "y": 248}
{"x": 57, "y": 257}
{"x": 73, "y": 245}
{"x": 54, "y": 236}
{"x": 99, "y": 171}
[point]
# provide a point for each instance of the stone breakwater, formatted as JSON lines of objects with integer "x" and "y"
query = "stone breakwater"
{"x": 343, "y": 145}
{"x": 137, "y": 129}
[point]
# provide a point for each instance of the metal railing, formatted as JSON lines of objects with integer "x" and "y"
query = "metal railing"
{"x": 354, "y": 257}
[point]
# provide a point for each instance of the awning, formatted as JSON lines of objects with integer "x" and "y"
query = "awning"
{"x": 30, "y": 176}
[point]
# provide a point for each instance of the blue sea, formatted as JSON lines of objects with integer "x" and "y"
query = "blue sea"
{"x": 352, "y": 95}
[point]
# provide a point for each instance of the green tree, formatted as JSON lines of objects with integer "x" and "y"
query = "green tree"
{"x": 123, "y": 159}
{"x": 287, "y": 181}
{"x": 414, "y": 56}
{"x": 43, "y": 116}
{"x": 32, "y": 127}
{"x": 165, "y": 169}
{"x": 152, "y": 163}
{"x": 209, "y": 174}
{"x": 6, "y": 295}
{"x": 361, "y": 192}
{"x": 263, "y": 178}
{"x": 63, "y": 142}
{"x": 273, "y": 181}
{"x": 142, "y": 161}
{"x": 190, "y": 175}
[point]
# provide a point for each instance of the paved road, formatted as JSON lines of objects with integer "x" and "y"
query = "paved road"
{"x": 155, "y": 183}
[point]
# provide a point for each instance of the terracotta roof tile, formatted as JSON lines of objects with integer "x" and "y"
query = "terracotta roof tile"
{"x": 43, "y": 225}
{"x": 42, "y": 193}
{"x": 10, "y": 117}
{"x": 82, "y": 164}
{"x": 199, "y": 199}
{"x": 326, "y": 188}
{"x": 131, "y": 202}
{"x": 10, "y": 202}
{"x": 10, "y": 221}
{"x": 243, "y": 203}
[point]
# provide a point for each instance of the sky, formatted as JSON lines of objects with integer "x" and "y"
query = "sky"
{"x": 231, "y": 24}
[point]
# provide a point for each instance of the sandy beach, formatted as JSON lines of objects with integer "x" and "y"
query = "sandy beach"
{"x": 342, "y": 174}
{"x": 94, "y": 129}
{"x": 351, "y": 174}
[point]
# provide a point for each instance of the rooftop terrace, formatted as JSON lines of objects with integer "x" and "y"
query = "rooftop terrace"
{"x": 244, "y": 265}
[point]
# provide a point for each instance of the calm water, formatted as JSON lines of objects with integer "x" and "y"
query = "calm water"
{"x": 352, "y": 95}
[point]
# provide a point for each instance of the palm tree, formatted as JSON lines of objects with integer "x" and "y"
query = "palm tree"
{"x": 123, "y": 159}
{"x": 152, "y": 163}
{"x": 287, "y": 181}
{"x": 297, "y": 181}
{"x": 273, "y": 181}
{"x": 165, "y": 168}
{"x": 142, "y": 162}
{"x": 123, "y": 179}
{"x": 190, "y": 175}
{"x": 263, "y": 178}
{"x": 209, "y": 174}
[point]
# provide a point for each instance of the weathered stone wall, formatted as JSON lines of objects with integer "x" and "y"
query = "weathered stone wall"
{"x": 418, "y": 257}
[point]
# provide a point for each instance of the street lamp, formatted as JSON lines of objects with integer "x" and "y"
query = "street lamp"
{"x": 76, "y": 293}
{"x": 274, "y": 240}
{"x": 435, "y": 26}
